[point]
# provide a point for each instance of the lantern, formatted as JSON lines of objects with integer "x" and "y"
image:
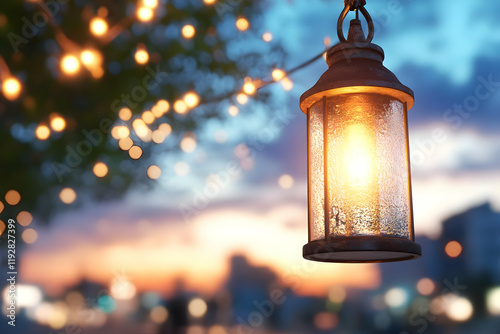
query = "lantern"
{"x": 359, "y": 185}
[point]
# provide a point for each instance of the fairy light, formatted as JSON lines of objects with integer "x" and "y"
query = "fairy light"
{"x": 209, "y": 2}
{"x": 141, "y": 56}
{"x": 67, "y": 195}
{"x": 191, "y": 99}
{"x": 100, "y": 169}
{"x": 163, "y": 106}
{"x": 180, "y": 107}
{"x": 42, "y": 132}
{"x": 90, "y": 58}
{"x": 11, "y": 88}
{"x": 145, "y": 14}
{"x": 140, "y": 127}
{"x": 125, "y": 143}
{"x": 154, "y": 172}
{"x": 158, "y": 136}
{"x": 58, "y": 124}
{"x": 12, "y": 197}
{"x": 125, "y": 114}
{"x": 135, "y": 152}
{"x": 278, "y": 74}
{"x": 188, "y": 31}
{"x": 242, "y": 24}
{"x": 150, "y": 3}
{"x": 249, "y": 88}
{"x": 165, "y": 128}
{"x": 287, "y": 84}
{"x": 267, "y": 37}
{"x": 98, "y": 26}
{"x": 148, "y": 117}
{"x": 233, "y": 111}
{"x": 242, "y": 98}
{"x": 70, "y": 64}
{"x": 188, "y": 143}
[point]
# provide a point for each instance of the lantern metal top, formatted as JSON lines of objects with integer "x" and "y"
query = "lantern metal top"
{"x": 355, "y": 66}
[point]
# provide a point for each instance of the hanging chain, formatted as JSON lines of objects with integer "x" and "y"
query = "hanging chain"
{"x": 358, "y": 6}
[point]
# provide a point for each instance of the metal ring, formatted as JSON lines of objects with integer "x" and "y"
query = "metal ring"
{"x": 371, "y": 28}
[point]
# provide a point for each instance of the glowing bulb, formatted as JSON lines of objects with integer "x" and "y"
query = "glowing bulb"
{"x": 192, "y": 99}
{"x": 154, "y": 172}
{"x": 100, "y": 169}
{"x": 135, "y": 152}
{"x": 249, "y": 88}
{"x": 159, "y": 314}
{"x": 141, "y": 56}
{"x": 188, "y": 31}
{"x": 150, "y": 3}
{"x": 90, "y": 58}
{"x": 125, "y": 114}
{"x": 58, "y": 124}
{"x": 278, "y": 74}
{"x": 287, "y": 84}
{"x": 98, "y": 26}
{"x": 267, "y": 37}
{"x": 242, "y": 98}
{"x": 458, "y": 309}
{"x": 70, "y": 64}
{"x": 67, "y": 195}
{"x": 242, "y": 24}
{"x": 197, "y": 307}
{"x": 188, "y": 143}
{"x": 11, "y": 88}
{"x": 148, "y": 117}
{"x": 145, "y": 14}
{"x": 180, "y": 107}
{"x": 165, "y": 128}
{"x": 163, "y": 106}
{"x": 359, "y": 160}
{"x": 12, "y": 197}
{"x": 42, "y": 132}
{"x": 233, "y": 111}
{"x": 209, "y": 2}
{"x": 453, "y": 249}
{"x": 125, "y": 143}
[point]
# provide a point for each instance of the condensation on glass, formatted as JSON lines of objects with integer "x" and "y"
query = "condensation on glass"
{"x": 358, "y": 167}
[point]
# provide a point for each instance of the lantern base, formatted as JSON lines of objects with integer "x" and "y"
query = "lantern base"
{"x": 362, "y": 249}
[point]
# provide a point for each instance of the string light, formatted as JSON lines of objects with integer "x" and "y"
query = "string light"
{"x": 154, "y": 172}
{"x": 209, "y": 2}
{"x": 11, "y": 88}
{"x": 24, "y": 218}
{"x": 12, "y": 197}
{"x": 165, "y": 128}
{"x": 180, "y": 107}
{"x": 242, "y": 24}
{"x": 191, "y": 99}
{"x": 67, "y": 195}
{"x": 70, "y": 65}
{"x": 158, "y": 137}
{"x": 249, "y": 87}
{"x": 242, "y": 98}
{"x": 42, "y": 132}
{"x": 267, "y": 37}
{"x": 144, "y": 14}
{"x": 125, "y": 143}
{"x": 125, "y": 114}
{"x": 135, "y": 152}
{"x": 287, "y": 84}
{"x": 188, "y": 143}
{"x": 58, "y": 124}
{"x": 233, "y": 111}
{"x": 91, "y": 58}
{"x": 148, "y": 117}
{"x": 140, "y": 127}
{"x": 163, "y": 106}
{"x": 141, "y": 56}
{"x": 150, "y": 3}
{"x": 278, "y": 74}
{"x": 100, "y": 169}
{"x": 98, "y": 26}
{"x": 188, "y": 31}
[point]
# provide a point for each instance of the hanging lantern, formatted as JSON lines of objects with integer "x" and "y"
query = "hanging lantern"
{"x": 359, "y": 187}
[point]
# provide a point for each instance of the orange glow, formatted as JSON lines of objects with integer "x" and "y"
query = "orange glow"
{"x": 209, "y": 2}
{"x": 1, "y": 207}
{"x": 242, "y": 98}
{"x": 98, "y": 26}
{"x": 150, "y": 3}
{"x": 287, "y": 84}
{"x": 285, "y": 181}
{"x": 125, "y": 114}
{"x": 135, "y": 152}
{"x": 148, "y": 117}
{"x": 233, "y": 111}
{"x": 24, "y": 218}
{"x": 453, "y": 249}
{"x": 278, "y": 74}
{"x": 163, "y": 106}
{"x": 188, "y": 143}
{"x": 58, "y": 124}
{"x": 426, "y": 286}
{"x": 191, "y": 99}
{"x": 141, "y": 56}
{"x": 249, "y": 88}
{"x": 42, "y": 132}
{"x": 242, "y": 24}
{"x": 159, "y": 314}
{"x": 2, "y": 227}
{"x": 11, "y": 88}
{"x": 145, "y": 14}
{"x": 67, "y": 195}
{"x": 326, "y": 321}
{"x": 12, "y": 197}
{"x": 154, "y": 172}
{"x": 267, "y": 37}
{"x": 29, "y": 236}
{"x": 165, "y": 128}
{"x": 158, "y": 137}
{"x": 180, "y": 107}
{"x": 70, "y": 65}
{"x": 125, "y": 143}
{"x": 100, "y": 169}
{"x": 188, "y": 31}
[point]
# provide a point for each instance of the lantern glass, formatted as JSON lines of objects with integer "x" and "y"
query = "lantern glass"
{"x": 358, "y": 167}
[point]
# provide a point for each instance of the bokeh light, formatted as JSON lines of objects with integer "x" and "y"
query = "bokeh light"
{"x": 98, "y": 26}
{"x": 122, "y": 289}
{"x": 337, "y": 294}
{"x": 242, "y": 98}
{"x": 278, "y": 74}
{"x": 154, "y": 172}
{"x": 242, "y": 24}
{"x": 181, "y": 168}
{"x": 141, "y": 56}
{"x": 125, "y": 114}
{"x": 42, "y": 132}
{"x": 158, "y": 314}
{"x": 100, "y": 169}
{"x": 24, "y": 218}
{"x": 396, "y": 297}
{"x": 493, "y": 301}
{"x": 191, "y": 99}
{"x": 209, "y": 2}
{"x": 2, "y": 227}
{"x": 267, "y": 37}
{"x": 457, "y": 308}
{"x": 70, "y": 65}
{"x": 148, "y": 117}
{"x": 188, "y": 31}
{"x": 249, "y": 88}
{"x": 135, "y": 152}
{"x": 29, "y": 236}
{"x": 180, "y": 107}
{"x": 426, "y": 286}
{"x": 67, "y": 195}
{"x": 188, "y": 143}
{"x": 125, "y": 143}
{"x": 11, "y": 88}
{"x": 285, "y": 181}
{"x": 233, "y": 111}
{"x": 1, "y": 206}
{"x": 58, "y": 124}
{"x": 326, "y": 321}
{"x": 453, "y": 249}
{"x": 12, "y": 197}
{"x": 150, "y": 3}
{"x": 197, "y": 308}
{"x": 145, "y": 14}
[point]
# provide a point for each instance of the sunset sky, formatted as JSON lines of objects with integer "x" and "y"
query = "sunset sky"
{"x": 455, "y": 162}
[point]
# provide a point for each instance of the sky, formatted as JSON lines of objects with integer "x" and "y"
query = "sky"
{"x": 446, "y": 51}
